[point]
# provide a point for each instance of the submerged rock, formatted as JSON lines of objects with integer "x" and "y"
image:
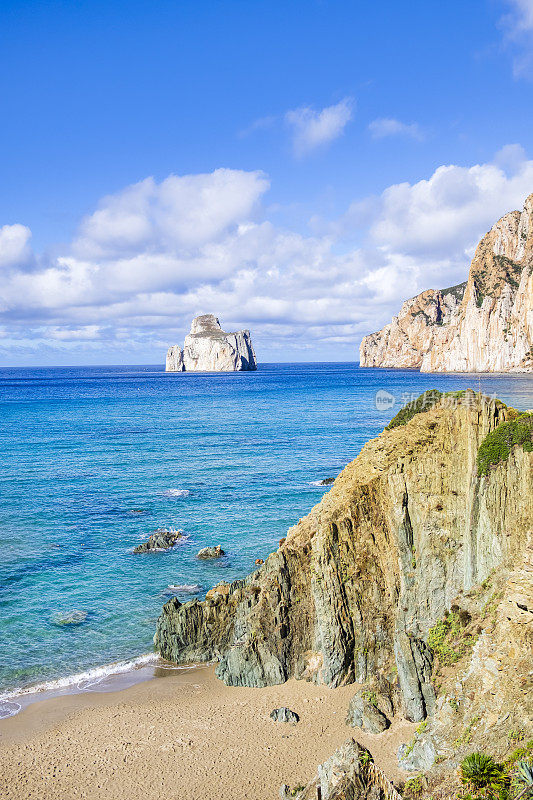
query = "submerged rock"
{"x": 211, "y": 552}
{"x": 208, "y": 348}
{"x": 160, "y": 540}
{"x": 284, "y": 714}
{"x": 72, "y": 618}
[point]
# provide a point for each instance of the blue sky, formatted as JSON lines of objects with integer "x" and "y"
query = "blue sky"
{"x": 299, "y": 168}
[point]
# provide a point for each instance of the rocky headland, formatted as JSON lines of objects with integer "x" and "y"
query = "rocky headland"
{"x": 482, "y": 325}
{"x": 412, "y": 577}
{"x": 207, "y": 348}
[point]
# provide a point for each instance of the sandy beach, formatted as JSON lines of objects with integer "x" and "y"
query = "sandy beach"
{"x": 185, "y": 736}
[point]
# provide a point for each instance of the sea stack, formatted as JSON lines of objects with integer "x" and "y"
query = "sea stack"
{"x": 482, "y": 325}
{"x": 208, "y": 348}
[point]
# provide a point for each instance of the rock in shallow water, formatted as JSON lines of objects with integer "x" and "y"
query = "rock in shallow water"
{"x": 211, "y": 552}
{"x": 72, "y": 618}
{"x": 160, "y": 540}
{"x": 284, "y": 714}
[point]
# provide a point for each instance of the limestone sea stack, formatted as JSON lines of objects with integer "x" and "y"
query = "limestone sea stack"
{"x": 208, "y": 348}
{"x": 482, "y": 325}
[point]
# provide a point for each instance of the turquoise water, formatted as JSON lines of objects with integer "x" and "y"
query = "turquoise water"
{"x": 228, "y": 458}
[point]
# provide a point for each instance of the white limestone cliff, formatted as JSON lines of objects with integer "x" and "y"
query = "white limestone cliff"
{"x": 483, "y": 325}
{"x": 207, "y": 348}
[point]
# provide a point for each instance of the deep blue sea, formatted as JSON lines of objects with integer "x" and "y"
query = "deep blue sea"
{"x": 95, "y": 459}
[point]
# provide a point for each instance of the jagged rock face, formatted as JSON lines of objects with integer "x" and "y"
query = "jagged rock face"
{"x": 174, "y": 361}
{"x": 344, "y": 776}
{"x": 208, "y": 348}
{"x": 364, "y": 714}
{"x": 484, "y": 325}
{"x": 356, "y": 585}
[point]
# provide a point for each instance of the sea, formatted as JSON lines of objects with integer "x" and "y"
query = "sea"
{"x": 95, "y": 459}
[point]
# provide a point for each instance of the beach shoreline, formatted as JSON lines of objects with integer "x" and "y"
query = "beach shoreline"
{"x": 182, "y": 734}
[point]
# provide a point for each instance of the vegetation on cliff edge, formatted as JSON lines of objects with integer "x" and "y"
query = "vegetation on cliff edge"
{"x": 423, "y": 403}
{"x": 497, "y": 446}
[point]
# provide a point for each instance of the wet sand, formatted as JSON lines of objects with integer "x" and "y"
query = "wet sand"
{"x": 180, "y": 736}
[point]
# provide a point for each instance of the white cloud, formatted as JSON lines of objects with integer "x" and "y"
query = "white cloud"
{"x": 156, "y": 254}
{"x": 15, "y": 250}
{"x": 181, "y": 211}
{"x": 261, "y": 124}
{"x": 312, "y": 129}
{"x": 386, "y": 126}
{"x": 442, "y": 216}
{"x": 518, "y": 33}
{"x": 522, "y": 14}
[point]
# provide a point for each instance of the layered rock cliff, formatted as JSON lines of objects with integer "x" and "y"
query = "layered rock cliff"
{"x": 483, "y": 325}
{"x": 207, "y": 348}
{"x": 410, "y": 530}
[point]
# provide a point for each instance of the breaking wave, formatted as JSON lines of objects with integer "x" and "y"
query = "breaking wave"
{"x": 176, "y": 493}
{"x": 81, "y": 681}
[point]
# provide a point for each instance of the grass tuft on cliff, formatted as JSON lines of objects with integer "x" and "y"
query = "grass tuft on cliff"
{"x": 450, "y": 639}
{"x": 497, "y": 446}
{"x": 423, "y": 403}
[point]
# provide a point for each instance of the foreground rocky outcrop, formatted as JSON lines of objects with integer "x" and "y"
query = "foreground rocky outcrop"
{"x": 349, "y": 774}
{"x": 208, "y": 348}
{"x": 410, "y": 547}
{"x": 482, "y": 325}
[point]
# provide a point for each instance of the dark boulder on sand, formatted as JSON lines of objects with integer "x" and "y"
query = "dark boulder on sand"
{"x": 284, "y": 714}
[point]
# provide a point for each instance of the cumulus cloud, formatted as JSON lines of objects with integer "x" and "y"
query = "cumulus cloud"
{"x": 312, "y": 129}
{"x": 386, "y": 126}
{"x": 442, "y": 216}
{"x": 181, "y": 211}
{"x": 15, "y": 250}
{"x": 155, "y": 254}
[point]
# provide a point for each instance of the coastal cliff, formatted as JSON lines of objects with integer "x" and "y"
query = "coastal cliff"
{"x": 207, "y": 348}
{"x": 482, "y": 325}
{"x": 431, "y": 520}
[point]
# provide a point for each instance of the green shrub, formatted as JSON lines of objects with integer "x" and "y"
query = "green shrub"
{"x": 448, "y": 638}
{"x": 497, "y": 446}
{"x": 480, "y": 771}
{"x": 423, "y": 403}
{"x": 414, "y": 787}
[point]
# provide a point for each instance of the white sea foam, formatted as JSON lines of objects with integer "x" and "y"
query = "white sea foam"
{"x": 81, "y": 681}
{"x": 8, "y": 709}
{"x": 318, "y": 484}
{"x": 186, "y": 588}
{"x": 176, "y": 493}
